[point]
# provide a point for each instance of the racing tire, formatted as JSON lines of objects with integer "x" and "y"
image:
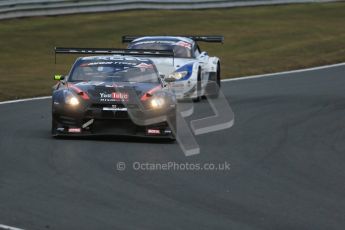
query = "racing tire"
{"x": 54, "y": 127}
{"x": 173, "y": 125}
{"x": 198, "y": 88}
{"x": 213, "y": 87}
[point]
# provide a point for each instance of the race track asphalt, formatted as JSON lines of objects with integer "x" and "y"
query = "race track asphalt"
{"x": 286, "y": 151}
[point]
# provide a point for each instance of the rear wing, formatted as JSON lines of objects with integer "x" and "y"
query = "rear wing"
{"x": 199, "y": 38}
{"x": 112, "y": 51}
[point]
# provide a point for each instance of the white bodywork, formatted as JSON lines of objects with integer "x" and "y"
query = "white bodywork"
{"x": 200, "y": 62}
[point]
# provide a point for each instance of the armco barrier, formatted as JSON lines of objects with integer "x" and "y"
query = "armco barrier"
{"x": 28, "y": 8}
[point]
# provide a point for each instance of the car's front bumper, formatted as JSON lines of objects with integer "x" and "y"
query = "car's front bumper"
{"x": 96, "y": 121}
{"x": 185, "y": 89}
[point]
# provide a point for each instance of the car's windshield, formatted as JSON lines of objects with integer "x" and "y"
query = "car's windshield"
{"x": 181, "y": 49}
{"x": 115, "y": 71}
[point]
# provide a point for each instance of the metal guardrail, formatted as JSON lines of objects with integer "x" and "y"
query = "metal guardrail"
{"x": 29, "y": 8}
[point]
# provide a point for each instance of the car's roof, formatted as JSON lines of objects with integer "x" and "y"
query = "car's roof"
{"x": 116, "y": 58}
{"x": 163, "y": 38}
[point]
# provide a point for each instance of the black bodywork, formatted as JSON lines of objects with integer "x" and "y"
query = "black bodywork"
{"x": 112, "y": 107}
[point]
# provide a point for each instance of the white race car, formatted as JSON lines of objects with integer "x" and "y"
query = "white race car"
{"x": 191, "y": 73}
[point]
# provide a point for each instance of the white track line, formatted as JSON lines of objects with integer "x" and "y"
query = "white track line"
{"x": 23, "y": 100}
{"x": 285, "y": 72}
{"x": 224, "y": 80}
{"x": 5, "y": 227}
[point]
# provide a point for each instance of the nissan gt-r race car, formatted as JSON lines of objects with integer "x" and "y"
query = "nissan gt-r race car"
{"x": 196, "y": 74}
{"x": 114, "y": 94}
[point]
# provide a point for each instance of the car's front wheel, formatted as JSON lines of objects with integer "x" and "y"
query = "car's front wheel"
{"x": 54, "y": 127}
{"x": 198, "y": 88}
{"x": 214, "y": 84}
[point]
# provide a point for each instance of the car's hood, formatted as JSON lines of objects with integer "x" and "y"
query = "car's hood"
{"x": 108, "y": 92}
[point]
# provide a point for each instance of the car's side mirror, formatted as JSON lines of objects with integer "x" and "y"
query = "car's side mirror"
{"x": 58, "y": 77}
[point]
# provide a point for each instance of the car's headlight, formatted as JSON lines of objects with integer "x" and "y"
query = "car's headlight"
{"x": 157, "y": 102}
{"x": 71, "y": 99}
{"x": 178, "y": 75}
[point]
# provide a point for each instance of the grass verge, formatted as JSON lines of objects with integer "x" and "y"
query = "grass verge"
{"x": 258, "y": 40}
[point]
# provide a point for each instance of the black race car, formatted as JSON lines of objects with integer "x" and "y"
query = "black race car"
{"x": 116, "y": 94}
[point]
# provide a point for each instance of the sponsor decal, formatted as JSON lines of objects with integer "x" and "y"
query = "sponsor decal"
{"x": 153, "y": 131}
{"x": 180, "y": 43}
{"x": 184, "y": 44}
{"x": 116, "y": 96}
{"x": 74, "y": 130}
{"x": 96, "y": 63}
{"x": 144, "y": 66}
{"x": 167, "y": 131}
{"x": 114, "y": 108}
{"x": 120, "y": 96}
{"x": 113, "y": 85}
{"x": 109, "y": 63}
{"x": 154, "y": 42}
{"x": 108, "y": 58}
